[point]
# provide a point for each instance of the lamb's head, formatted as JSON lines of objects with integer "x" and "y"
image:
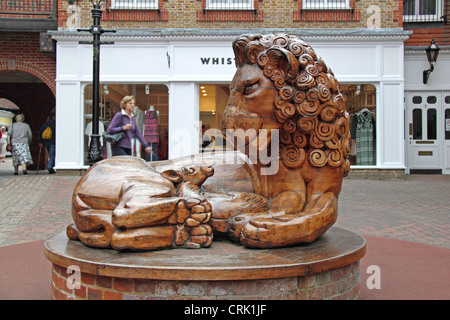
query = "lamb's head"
{"x": 194, "y": 175}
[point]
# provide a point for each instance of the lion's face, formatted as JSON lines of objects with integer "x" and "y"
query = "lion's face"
{"x": 282, "y": 84}
{"x": 250, "y": 109}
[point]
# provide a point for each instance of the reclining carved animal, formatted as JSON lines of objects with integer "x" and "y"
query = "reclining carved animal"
{"x": 114, "y": 207}
{"x": 285, "y": 105}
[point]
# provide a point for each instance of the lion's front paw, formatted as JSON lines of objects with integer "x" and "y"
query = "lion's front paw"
{"x": 237, "y": 223}
{"x": 274, "y": 231}
{"x": 193, "y": 230}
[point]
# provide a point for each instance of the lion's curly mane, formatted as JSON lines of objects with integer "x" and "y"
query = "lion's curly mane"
{"x": 310, "y": 107}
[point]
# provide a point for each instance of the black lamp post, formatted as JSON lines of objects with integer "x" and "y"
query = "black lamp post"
{"x": 95, "y": 149}
{"x": 432, "y": 54}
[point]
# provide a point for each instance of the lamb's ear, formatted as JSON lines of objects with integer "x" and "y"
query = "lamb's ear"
{"x": 172, "y": 175}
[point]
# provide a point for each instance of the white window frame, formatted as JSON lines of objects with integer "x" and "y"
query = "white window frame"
{"x": 325, "y": 5}
{"x": 134, "y": 4}
{"x": 416, "y": 17}
{"x": 230, "y": 5}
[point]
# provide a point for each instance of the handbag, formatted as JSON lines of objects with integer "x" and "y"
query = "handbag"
{"x": 114, "y": 138}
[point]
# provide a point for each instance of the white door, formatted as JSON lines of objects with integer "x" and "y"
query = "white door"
{"x": 446, "y": 128}
{"x": 424, "y": 131}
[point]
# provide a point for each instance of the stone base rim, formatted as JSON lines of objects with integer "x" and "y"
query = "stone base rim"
{"x": 338, "y": 248}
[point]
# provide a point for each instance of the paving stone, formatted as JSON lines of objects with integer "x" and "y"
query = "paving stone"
{"x": 36, "y": 206}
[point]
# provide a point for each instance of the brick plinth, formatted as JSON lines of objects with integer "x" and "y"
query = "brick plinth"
{"x": 339, "y": 284}
{"x": 328, "y": 268}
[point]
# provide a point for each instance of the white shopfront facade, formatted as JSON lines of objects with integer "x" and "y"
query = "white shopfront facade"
{"x": 427, "y": 113}
{"x": 181, "y": 60}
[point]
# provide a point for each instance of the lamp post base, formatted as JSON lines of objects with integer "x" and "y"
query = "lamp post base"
{"x": 95, "y": 150}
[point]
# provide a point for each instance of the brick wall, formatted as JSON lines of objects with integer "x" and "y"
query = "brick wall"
{"x": 20, "y": 52}
{"x": 338, "y": 284}
{"x": 267, "y": 14}
{"x": 423, "y": 33}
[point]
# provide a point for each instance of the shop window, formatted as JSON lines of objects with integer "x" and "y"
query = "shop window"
{"x": 213, "y": 99}
{"x": 360, "y": 100}
{"x": 417, "y": 124}
{"x": 422, "y": 10}
{"x": 109, "y": 104}
{"x": 431, "y": 124}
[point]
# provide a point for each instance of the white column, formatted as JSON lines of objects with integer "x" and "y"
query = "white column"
{"x": 183, "y": 119}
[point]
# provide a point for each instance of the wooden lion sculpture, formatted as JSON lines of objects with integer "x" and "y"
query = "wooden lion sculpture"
{"x": 287, "y": 123}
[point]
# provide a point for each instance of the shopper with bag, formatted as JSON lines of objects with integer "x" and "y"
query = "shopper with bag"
{"x": 46, "y": 137}
{"x": 21, "y": 136}
{"x": 124, "y": 121}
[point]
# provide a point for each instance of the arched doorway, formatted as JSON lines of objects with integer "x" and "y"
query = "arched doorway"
{"x": 34, "y": 99}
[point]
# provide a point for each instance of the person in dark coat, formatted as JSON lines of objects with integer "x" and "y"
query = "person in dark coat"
{"x": 48, "y": 143}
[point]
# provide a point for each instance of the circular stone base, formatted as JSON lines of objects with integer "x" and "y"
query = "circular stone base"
{"x": 325, "y": 269}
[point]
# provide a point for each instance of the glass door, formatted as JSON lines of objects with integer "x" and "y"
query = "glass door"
{"x": 423, "y": 114}
{"x": 446, "y": 109}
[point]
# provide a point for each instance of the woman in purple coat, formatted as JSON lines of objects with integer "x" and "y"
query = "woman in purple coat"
{"x": 124, "y": 121}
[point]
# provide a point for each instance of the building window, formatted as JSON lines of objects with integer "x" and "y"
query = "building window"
{"x": 229, "y": 4}
{"x": 422, "y": 10}
{"x": 325, "y": 4}
{"x": 134, "y": 4}
{"x": 361, "y": 104}
{"x": 230, "y": 10}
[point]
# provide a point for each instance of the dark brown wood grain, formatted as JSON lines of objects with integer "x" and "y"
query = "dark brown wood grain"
{"x": 278, "y": 187}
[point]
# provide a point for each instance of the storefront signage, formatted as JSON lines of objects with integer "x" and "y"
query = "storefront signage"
{"x": 216, "y": 61}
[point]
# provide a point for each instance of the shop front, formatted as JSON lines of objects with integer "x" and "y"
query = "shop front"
{"x": 185, "y": 77}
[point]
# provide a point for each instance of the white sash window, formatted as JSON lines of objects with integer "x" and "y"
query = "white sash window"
{"x": 229, "y": 4}
{"x": 325, "y": 4}
{"x": 134, "y": 4}
{"x": 422, "y": 10}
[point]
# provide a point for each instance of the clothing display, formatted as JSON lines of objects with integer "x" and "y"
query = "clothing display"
{"x": 363, "y": 129}
{"x": 151, "y": 129}
{"x": 151, "y": 133}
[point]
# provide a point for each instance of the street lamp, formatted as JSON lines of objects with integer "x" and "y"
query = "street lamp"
{"x": 432, "y": 54}
{"x": 94, "y": 153}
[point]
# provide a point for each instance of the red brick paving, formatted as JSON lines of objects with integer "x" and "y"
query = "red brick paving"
{"x": 406, "y": 223}
{"x": 34, "y": 207}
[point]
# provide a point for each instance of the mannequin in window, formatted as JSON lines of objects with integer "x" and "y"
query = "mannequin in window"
{"x": 151, "y": 132}
{"x": 363, "y": 131}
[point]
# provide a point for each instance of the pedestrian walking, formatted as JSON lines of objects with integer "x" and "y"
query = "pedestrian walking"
{"x": 20, "y": 134}
{"x": 124, "y": 121}
{"x": 3, "y": 143}
{"x": 46, "y": 138}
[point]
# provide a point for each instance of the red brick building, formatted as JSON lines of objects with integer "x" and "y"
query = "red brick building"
{"x": 27, "y": 61}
